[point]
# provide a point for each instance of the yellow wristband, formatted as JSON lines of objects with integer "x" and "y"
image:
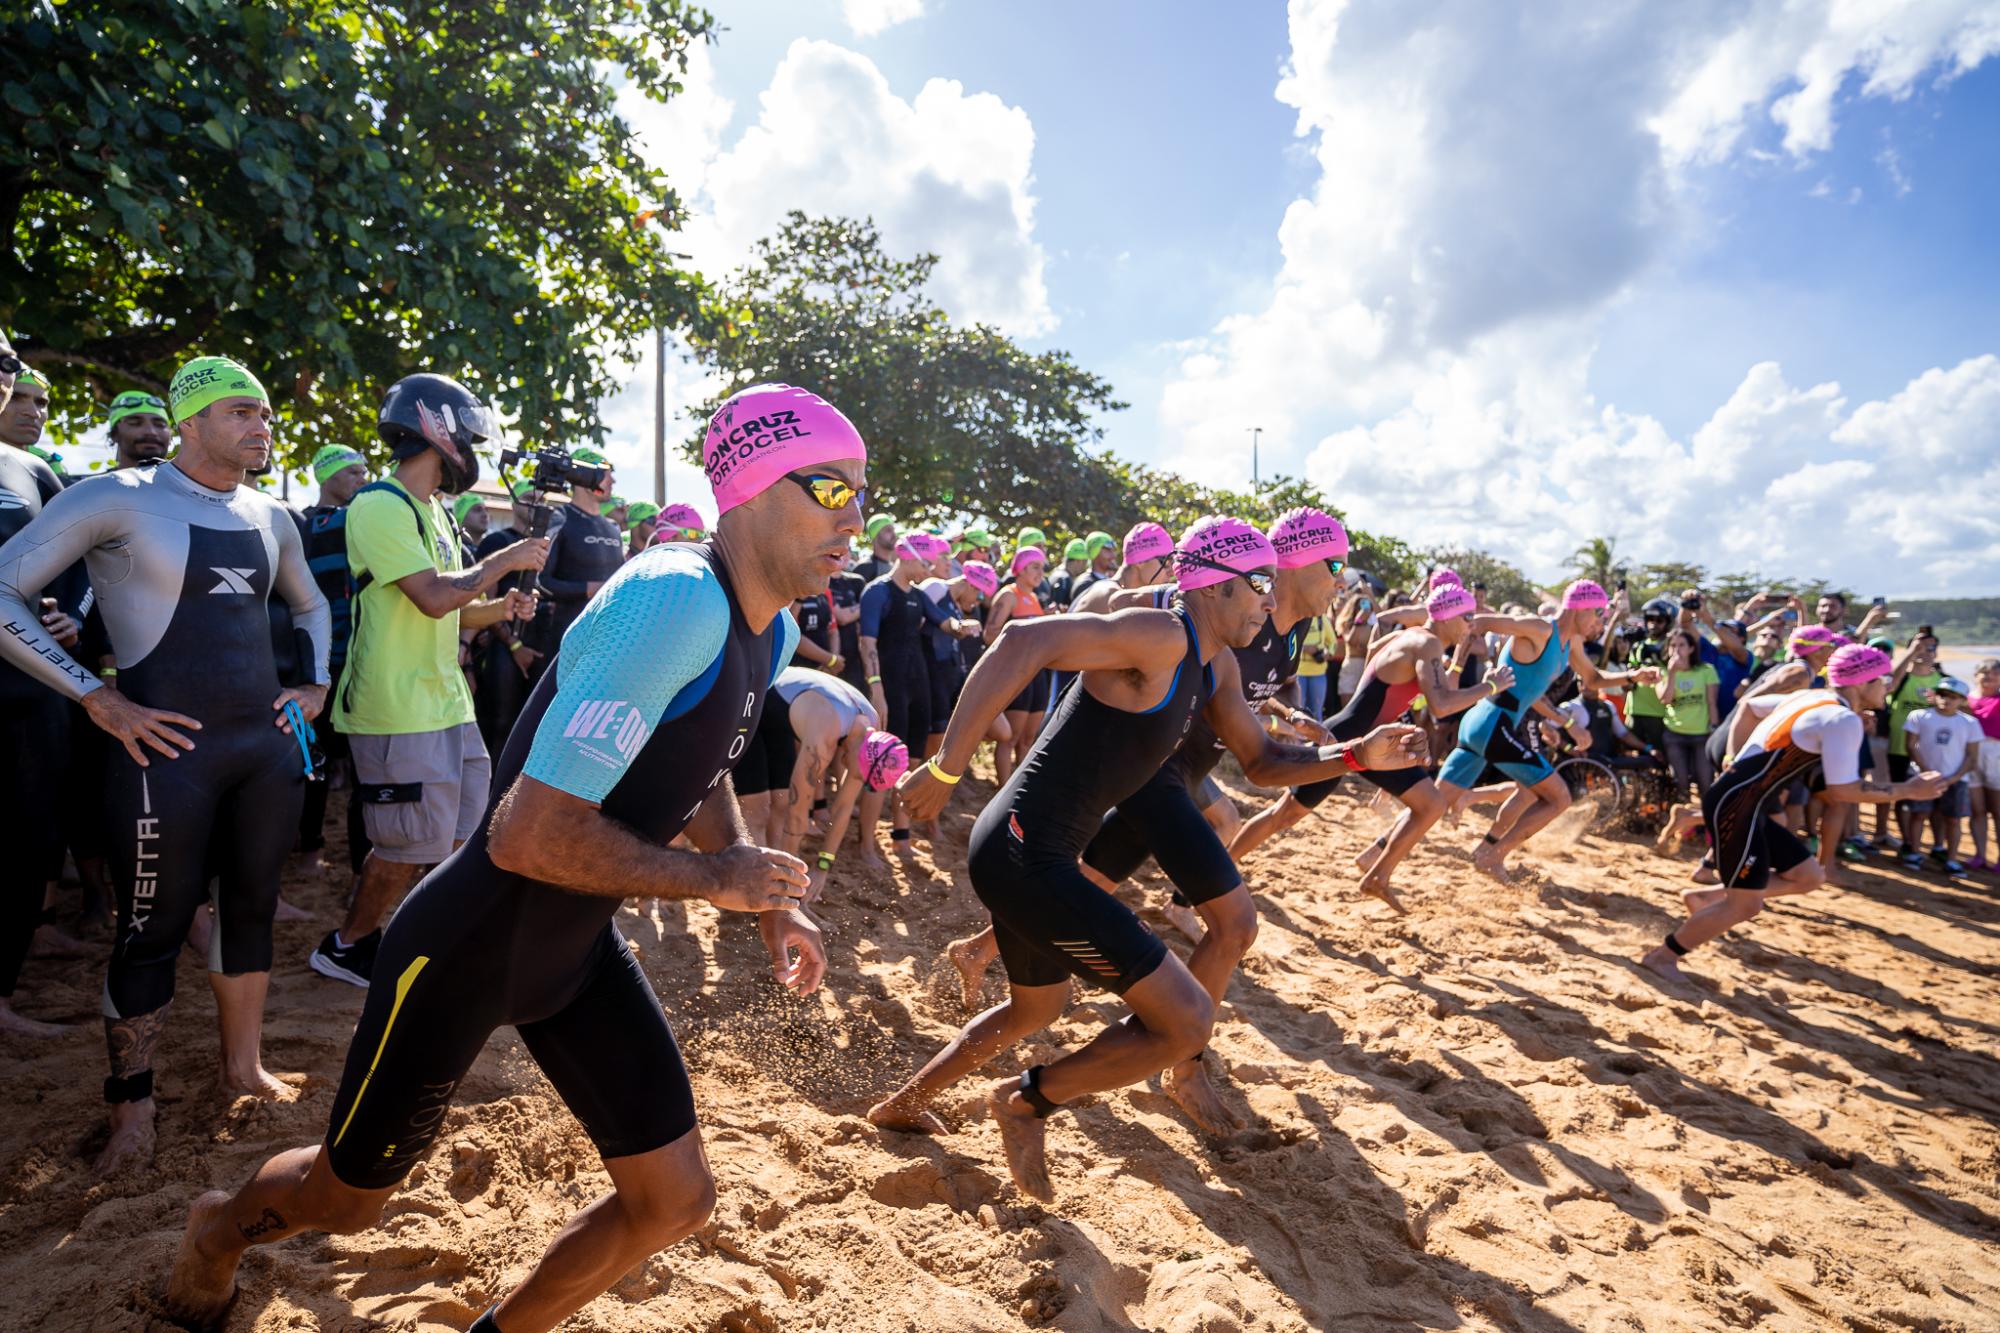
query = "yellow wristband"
{"x": 1492, "y": 687}
{"x": 874, "y": 680}
{"x": 941, "y": 775}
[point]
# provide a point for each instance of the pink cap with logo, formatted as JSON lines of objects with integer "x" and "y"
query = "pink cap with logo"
{"x": 685, "y": 517}
{"x": 984, "y": 579}
{"x": 883, "y": 760}
{"x": 768, "y": 430}
{"x": 1857, "y": 664}
{"x": 1215, "y": 549}
{"x": 1809, "y": 639}
{"x": 1584, "y": 595}
{"x": 928, "y": 547}
{"x": 1301, "y": 536}
{"x": 1147, "y": 541}
{"x": 1448, "y": 601}
{"x": 1028, "y": 555}
{"x": 1441, "y": 576}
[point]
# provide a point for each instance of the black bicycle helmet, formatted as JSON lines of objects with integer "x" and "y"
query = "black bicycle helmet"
{"x": 428, "y": 411}
{"x": 1664, "y": 608}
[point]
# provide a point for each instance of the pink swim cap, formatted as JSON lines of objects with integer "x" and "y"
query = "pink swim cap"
{"x": 1215, "y": 549}
{"x": 927, "y": 546}
{"x": 1448, "y": 601}
{"x": 1584, "y": 595}
{"x": 1809, "y": 639}
{"x": 883, "y": 760}
{"x": 1441, "y": 577}
{"x": 1301, "y": 536}
{"x": 1857, "y": 664}
{"x": 905, "y": 551}
{"x": 684, "y": 517}
{"x": 1147, "y": 541}
{"x": 767, "y": 430}
{"x": 984, "y": 579}
{"x": 1028, "y": 555}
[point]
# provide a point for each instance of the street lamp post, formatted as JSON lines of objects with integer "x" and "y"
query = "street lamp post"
{"x": 1256, "y": 480}
{"x": 660, "y": 417}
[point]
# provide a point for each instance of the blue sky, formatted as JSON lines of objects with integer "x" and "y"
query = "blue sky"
{"x": 1715, "y": 279}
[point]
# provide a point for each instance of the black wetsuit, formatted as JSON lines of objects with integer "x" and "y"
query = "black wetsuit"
{"x": 1163, "y": 819}
{"x": 895, "y": 617}
{"x": 586, "y": 549}
{"x": 182, "y": 574}
{"x": 34, "y": 737}
{"x": 656, "y": 696}
{"x": 1050, "y": 921}
{"x": 1375, "y": 702}
{"x": 844, "y": 591}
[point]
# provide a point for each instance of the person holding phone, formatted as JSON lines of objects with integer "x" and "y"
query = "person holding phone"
{"x": 1689, "y": 687}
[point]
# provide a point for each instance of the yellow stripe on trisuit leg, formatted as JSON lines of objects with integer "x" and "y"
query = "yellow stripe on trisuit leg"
{"x": 403, "y": 984}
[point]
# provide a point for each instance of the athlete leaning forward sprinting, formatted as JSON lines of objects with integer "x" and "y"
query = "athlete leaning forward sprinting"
{"x": 1537, "y": 651}
{"x": 1790, "y": 735}
{"x": 626, "y": 741}
{"x": 1145, "y": 675}
{"x": 1408, "y": 663}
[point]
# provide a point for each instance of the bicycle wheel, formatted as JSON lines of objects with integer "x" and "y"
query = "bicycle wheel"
{"x": 1586, "y": 778}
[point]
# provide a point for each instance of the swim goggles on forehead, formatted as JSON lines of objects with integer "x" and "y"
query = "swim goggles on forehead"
{"x": 1260, "y": 582}
{"x": 10, "y": 364}
{"x": 830, "y": 492}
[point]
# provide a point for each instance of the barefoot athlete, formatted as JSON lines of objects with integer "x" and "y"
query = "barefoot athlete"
{"x": 183, "y": 557}
{"x": 627, "y": 740}
{"x": 1789, "y": 736}
{"x": 1537, "y": 652}
{"x": 34, "y": 720}
{"x": 1410, "y": 662}
{"x": 1146, "y": 674}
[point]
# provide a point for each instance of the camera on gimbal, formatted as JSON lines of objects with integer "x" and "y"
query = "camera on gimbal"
{"x": 555, "y": 469}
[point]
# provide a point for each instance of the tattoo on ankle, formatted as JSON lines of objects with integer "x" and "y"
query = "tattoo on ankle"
{"x": 130, "y": 1042}
{"x": 263, "y": 1226}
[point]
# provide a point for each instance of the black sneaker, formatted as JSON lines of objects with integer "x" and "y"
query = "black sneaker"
{"x": 353, "y": 963}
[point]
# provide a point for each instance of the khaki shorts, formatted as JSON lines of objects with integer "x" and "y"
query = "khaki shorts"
{"x": 421, "y": 793}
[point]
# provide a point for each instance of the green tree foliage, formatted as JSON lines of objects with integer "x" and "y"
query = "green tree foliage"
{"x": 337, "y": 195}
{"x": 959, "y": 419}
{"x": 962, "y": 423}
{"x": 1598, "y": 560}
{"x": 1504, "y": 583}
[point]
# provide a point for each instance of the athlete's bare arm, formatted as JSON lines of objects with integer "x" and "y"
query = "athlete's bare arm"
{"x": 1918, "y": 787}
{"x": 1532, "y": 630}
{"x": 1787, "y": 679}
{"x": 1105, "y": 595}
{"x": 1588, "y": 673}
{"x": 1441, "y": 697}
{"x": 549, "y": 835}
{"x": 1271, "y": 763}
{"x": 1141, "y": 647}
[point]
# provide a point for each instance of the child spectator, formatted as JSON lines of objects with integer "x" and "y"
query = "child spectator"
{"x": 1943, "y": 739}
{"x": 1688, "y": 690}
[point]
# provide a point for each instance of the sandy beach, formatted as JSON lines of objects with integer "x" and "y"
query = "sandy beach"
{"x": 1480, "y": 1116}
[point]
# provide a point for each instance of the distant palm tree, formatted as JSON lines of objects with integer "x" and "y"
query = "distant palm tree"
{"x": 1597, "y": 560}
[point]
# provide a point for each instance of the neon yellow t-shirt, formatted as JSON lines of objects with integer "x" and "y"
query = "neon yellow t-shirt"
{"x": 402, "y": 673}
{"x": 1319, "y": 634}
{"x": 1907, "y": 699}
{"x": 1687, "y": 715}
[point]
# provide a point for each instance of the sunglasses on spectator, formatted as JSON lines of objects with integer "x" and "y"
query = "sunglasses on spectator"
{"x": 1260, "y": 582}
{"x": 830, "y": 492}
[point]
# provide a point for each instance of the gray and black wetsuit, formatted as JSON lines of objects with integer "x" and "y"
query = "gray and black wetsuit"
{"x": 34, "y": 732}
{"x": 182, "y": 575}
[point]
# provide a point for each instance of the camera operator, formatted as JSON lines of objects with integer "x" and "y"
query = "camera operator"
{"x": 421, "y": 766}
{"x": 585, "y": 549}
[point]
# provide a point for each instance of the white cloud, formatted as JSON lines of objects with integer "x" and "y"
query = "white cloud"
{"x": 868, "y": 17}
{"x": 947, "y": 171}
{"x": 1489, "y": 188}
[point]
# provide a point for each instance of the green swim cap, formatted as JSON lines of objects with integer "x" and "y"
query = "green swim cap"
{"x": 877, "y": 523}
{"x": 464, "y": 505}
{"x": 1076, "y": 550}
{"x": 639, "y": 511}
{"x": 334, "y": 458}
{"x": 523, "y": 488}
{"x": 1031, "y": 537}
{"x": 29, "y": 375}
{"x": 135, "y": 403}
{"x": 979, "y": 537}
{"x": 590, "y": 458}
{"x": 1097, "y": 541}
{"x": 207, "y": 380}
